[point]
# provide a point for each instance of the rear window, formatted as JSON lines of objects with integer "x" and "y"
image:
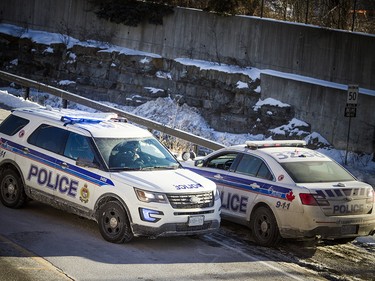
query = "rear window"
{"x": 316, "y": 171}
{"x": 12, "y": 124}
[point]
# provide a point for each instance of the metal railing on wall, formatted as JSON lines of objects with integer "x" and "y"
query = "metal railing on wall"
{"x": 67, "y": 96}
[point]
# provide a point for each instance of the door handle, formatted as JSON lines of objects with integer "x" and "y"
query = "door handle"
{"x": 64, "y": 165}
{"x": 25, "y": 150}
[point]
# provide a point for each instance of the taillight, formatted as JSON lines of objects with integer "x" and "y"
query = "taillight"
{"x": 313, "y": 199}
{"x": 308, "y": 199}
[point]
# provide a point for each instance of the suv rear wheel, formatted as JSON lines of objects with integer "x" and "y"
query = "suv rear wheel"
{"x": 12, "y": 193}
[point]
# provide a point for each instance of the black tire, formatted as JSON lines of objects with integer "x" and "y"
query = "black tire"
{"x": 12, "y": 192}
{"x": 114, "y": 223}
{"x": 264, "y": 227}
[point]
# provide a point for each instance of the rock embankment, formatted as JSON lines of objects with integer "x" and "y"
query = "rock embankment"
{"x": 226, "y": 100}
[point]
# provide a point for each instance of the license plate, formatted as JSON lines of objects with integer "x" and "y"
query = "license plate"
{"x": 349, "y": 229}
{"x": 195, "y": 220}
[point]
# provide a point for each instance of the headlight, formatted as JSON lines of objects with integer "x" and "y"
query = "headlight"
{"x": 148, "y": 196}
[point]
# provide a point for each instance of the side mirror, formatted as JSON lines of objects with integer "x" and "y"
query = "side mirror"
{"x": 199, "y": 163}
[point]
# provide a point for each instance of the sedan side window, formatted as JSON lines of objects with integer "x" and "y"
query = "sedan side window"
{"x": 253, "y": 166}
{"x": 223, "y": 161}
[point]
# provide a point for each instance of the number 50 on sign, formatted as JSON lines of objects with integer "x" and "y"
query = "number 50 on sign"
{"x": 352, "y": 97}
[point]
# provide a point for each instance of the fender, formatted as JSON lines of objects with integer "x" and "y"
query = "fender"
{"x": 109, "y": 197}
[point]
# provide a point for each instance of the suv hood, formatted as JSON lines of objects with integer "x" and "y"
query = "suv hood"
{"x": 167, "y": 181}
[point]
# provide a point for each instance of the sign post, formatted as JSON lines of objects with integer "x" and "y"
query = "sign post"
{"x": 350, "y": 111}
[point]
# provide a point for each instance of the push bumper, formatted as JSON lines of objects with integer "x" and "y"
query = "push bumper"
{"x": 175, "y": 229}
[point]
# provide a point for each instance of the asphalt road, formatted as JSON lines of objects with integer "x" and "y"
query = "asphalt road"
{"x": 39, "y": 242}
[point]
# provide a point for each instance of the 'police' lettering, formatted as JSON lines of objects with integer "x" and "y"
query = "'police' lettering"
{"x": 188, "y": 186}
{"x": 233, "y": 202}
{"x": 55, "y": 182}
{"x": 347, "y": 209}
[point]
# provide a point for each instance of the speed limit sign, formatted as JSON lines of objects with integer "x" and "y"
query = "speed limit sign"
{"x": 352, "y": 97}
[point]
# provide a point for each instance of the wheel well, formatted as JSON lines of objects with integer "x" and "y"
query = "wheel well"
{"x": 15, "y": 168}
{"x": 108, "y": 198}
{"x": 258, "y": 205}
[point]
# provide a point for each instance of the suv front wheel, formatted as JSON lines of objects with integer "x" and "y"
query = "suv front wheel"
{"x": 113, "y": 223}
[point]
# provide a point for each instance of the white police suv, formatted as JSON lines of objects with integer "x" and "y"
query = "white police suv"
{"x": 281, "y": 189}
{"x": 100, "y": 167}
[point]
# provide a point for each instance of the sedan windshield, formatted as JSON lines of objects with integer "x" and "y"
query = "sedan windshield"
{"x": 135, "y": 154}
{"x": 316, "y": 171}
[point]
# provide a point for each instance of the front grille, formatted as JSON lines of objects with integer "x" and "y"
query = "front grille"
{"x": 191, "y": 201}
{"x": 194, "y": 213}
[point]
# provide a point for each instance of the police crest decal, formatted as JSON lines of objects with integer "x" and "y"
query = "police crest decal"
{"x": 85, "y": 194}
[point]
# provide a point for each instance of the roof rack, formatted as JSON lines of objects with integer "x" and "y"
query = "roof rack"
{"x": 275, "y": 143}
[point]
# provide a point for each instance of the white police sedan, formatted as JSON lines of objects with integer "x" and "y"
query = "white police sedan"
{"x": 280, "y": 189}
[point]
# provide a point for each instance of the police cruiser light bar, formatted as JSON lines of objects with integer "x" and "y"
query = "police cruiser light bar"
{"x": 92, "y": 120}
{"x": 278, "y": 143}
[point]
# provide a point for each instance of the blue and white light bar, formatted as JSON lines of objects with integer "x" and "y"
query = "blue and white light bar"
{"x": 93, "y": 118}
{"x": 275, "y": 143}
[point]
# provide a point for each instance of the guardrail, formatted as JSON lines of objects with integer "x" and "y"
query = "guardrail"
{"x": 65, "y": 95}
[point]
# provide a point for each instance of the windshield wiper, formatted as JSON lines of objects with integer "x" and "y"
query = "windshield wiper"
{"x": 125, "y": 169}
{"x": 162, "y": 167}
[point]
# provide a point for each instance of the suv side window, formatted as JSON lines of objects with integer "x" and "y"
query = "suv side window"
{"x": 78, "y": 147}
{"x": 253, "y": 166}
{"x": 49, "y": 137}
{"x": 12, "y": 124}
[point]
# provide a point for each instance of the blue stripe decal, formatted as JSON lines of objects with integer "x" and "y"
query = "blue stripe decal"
{"x": 329, "y": 193}
{"x": 245, "y": 184}
{"x": 54, "y": 163}
{"x": 321, "y": 193}
{"x": 338, "y": 192}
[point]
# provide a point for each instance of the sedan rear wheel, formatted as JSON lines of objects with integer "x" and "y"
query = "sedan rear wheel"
{"x": 264, "y": 227}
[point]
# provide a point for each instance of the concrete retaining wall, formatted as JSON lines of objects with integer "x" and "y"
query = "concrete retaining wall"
{"x": 323, "y": 108}
{"x": 327, "y": 54}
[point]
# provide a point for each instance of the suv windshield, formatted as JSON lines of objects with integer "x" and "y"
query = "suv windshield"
{"x": 135, "y": 154}
{"x": 316, "y": 171}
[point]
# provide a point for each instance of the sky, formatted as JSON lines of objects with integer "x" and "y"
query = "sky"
{"x": 168, "y": 112}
